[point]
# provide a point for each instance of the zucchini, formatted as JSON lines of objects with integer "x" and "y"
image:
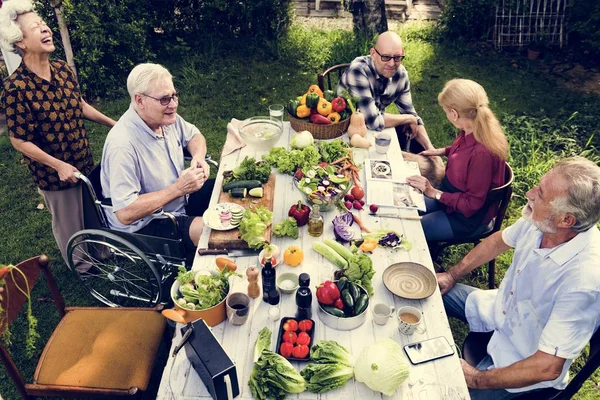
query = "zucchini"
{"x": 361, "y": 304}
{"x": 347, "y": 300}
{"x": 241, "y": 184}
{"x": 339, "y": 248}
{"x": 256, "y": 192}
{"x": 354, "y": 291}
{"x": 333, "y": 311}
{"x": 330, "y": 254}
{"x": 238, "y": 192}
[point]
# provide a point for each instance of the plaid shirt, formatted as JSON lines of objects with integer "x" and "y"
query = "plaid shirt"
{"x": 376, "y": 93}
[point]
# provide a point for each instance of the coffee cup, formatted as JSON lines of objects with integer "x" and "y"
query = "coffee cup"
{"x": 238, "y": 308}
{"x": 382, "y": 142}
{"x": 382, "y": 313}
{"x": 409, "y": 320}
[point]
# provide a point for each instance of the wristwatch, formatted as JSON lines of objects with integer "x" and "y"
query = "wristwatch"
{"x": 438, "y": 196}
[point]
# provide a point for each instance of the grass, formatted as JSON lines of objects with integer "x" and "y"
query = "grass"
{"x": 543, "y": 122}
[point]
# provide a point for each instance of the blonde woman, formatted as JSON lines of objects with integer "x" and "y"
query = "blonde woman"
{"x": 476, "y": 164}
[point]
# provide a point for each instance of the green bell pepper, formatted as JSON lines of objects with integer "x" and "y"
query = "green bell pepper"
{"x": 312, "y": 100}
{"x": 292, "y": 106}
{"x": 329, "y": 95}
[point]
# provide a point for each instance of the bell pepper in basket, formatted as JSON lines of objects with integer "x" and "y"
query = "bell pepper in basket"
{"x": 300, "y": 213}
{"x": 292, "y": 107}
{"x": 334, "y": 117}
{"x": 302, "y": 111}
{"x": 329, "y": 95}
{"x": 319, "y": 119}
{"x": 338, "y": 104}
{"x": 312, "y": 100}
{"x": 315, "y": 89}
{"x": 327, "y": 293}
{"x": 324, "y": 107}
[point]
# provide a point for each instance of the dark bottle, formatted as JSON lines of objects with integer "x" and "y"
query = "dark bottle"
{"x": 268, "y": 280}
{"x": 304, "y": 297}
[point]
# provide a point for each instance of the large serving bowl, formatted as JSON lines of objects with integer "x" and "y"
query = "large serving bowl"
{"x": 261, "y": 132}
{"x": 344, "y": 324}
{"x": 212, "y": 316}
{"x": 322, "y": 189}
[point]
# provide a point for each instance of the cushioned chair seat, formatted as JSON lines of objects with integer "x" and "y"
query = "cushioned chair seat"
{"x": 102, "y": 348}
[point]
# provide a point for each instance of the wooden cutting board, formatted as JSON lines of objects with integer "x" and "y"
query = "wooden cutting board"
{"x": 230, "y": 239}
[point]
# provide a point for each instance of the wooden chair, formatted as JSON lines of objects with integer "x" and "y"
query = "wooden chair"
{"x": 327, "y": 75}
{"x": 500, "y": 195}
{"x": 92, "y": 352}
{"x": 475, "y": 349}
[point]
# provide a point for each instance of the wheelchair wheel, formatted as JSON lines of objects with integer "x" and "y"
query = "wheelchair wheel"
{"x": 115, "y": 271}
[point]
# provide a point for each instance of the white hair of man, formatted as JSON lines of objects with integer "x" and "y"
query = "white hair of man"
{"x": 142, "y": 76}
{"x": 583, "y": 192}
{"x": 10, "y": 31}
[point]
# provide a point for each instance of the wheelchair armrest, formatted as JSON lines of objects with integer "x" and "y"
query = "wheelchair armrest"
{"x": 160, "y": 214}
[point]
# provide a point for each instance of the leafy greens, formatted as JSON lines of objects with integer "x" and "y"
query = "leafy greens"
{"x": 287, "y": 162}
{"x": 287, "y": 227}
{"x": 253, "y": 226}
{"x": 248, "y": 169}
{"x": 330, "y": 367}
{"x": 273, "y": 377}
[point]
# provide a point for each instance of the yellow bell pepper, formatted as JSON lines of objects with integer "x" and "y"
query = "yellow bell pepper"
{"x": 368, "y": 245}
{"x": 302, "y": 111}
{"x": 334, "y": 117}
{"x": 293, "y": 256}
{"x": 324, "y": 107}
{"x": 315, "y": 89}
{"x": 303, "y": 99}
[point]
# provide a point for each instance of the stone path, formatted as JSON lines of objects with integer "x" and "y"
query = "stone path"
{"x": 425, "y": 10}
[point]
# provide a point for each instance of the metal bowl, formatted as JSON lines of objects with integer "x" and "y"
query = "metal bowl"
{"x": 344, "y": 324}
{"x": 261, "y": 132}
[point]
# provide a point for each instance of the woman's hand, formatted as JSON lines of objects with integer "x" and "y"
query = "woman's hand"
{"x": 421, "y": 183}
{"x": 67, "y": 172}
{"x": 433, "y": 152}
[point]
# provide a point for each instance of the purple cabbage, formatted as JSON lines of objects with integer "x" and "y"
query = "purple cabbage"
{"x": 341, "y": 227}
{"x": 390, "y": 240}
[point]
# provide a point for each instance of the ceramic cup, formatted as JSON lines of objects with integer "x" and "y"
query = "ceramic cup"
{"x": 382, "y": 142}
{"x": 382, "y": 313}
{"x": 409, "y": 320}
{"x": 238, "y": 308}
{"x": 276, "y": 111}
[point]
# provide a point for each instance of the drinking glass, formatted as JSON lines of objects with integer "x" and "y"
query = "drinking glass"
{"x": 276, "y": 111}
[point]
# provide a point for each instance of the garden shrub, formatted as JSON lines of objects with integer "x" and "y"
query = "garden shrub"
{"x": 468, "y": 19}
{"x": 584, "y": 26}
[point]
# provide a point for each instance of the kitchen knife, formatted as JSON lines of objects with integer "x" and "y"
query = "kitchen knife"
{"x": 397, "y": 215}
{"x": 230, "y": 253}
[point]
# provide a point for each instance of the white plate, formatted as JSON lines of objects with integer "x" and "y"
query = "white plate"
{"x": 212, "y": 217}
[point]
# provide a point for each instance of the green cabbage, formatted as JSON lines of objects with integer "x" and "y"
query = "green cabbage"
{"x": 382, "y": 367}
{"x": 302, "y": 139}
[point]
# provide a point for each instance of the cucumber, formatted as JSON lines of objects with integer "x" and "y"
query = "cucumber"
{"x": 256, "y": 192}
{"x": 339, "y": 248}
{"x": 238, "y": 192}
{"x": 354, "y": 291}
{"x": 341, "y": 283}
{"x": 330, "y": 254}
{"x": 333, "y": 311}
{"x": 347, "y": 300}
{"x": 241, "y": 184}
{"x": 361, "y": 304}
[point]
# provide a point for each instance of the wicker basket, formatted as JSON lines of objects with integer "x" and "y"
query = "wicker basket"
{"x": 331, "y": 131}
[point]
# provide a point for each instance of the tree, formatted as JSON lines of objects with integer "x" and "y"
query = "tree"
{"x": 368, "y": 16}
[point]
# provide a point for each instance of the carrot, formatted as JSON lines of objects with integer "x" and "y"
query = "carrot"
{"x": 339, "y": 160}
{"x": 359, "y": 223}
{"x": 223, "y": 262}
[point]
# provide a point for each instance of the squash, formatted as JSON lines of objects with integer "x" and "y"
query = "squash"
{"x": 357, "y": 140}
{"x": 357, "y": 122}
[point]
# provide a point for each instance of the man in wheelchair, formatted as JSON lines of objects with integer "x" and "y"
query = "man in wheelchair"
{"x": 143, "y": 168}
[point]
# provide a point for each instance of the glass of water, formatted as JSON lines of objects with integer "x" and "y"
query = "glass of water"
{"x": 276, "y": 111}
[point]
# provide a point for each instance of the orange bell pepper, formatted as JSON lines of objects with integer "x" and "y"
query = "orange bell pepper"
{"x": 315, "y": 89}
{"x": 302, "y": 111}
{"x": 334, "y": 117}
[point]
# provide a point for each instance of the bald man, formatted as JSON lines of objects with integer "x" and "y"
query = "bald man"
{"x": 380, "y": 79}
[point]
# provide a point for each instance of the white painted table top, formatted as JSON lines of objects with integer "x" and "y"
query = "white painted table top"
{"x": 439, "y": 379}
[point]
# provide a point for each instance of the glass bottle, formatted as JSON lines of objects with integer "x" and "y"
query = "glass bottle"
{"x": 268, "y": 279}
{"x": 315, "y": 222}
{"x": 304, "y": 297}
{"x": 274, "y": 302}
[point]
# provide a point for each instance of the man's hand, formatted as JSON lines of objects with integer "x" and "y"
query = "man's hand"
{"x": 190, "y": 180}
{"x": 446, "y": 281}
{"x": 66, "y": 172}
{"x": 421, "y": 183}
{"x": 433, "y": 152}
{"x": 471, "y": 374}
{"x": 200, "y": 162}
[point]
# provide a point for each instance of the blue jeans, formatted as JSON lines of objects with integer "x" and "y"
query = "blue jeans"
{"x": 454, "y": 303}
{"x": 435, "y": 222}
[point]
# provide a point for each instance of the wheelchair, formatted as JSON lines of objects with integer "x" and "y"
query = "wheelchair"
{"x": 122, "y": 269}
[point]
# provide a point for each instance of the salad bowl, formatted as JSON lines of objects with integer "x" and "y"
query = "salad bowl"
{"x": 322, "y": 186}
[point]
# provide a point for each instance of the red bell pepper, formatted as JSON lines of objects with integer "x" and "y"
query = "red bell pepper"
{"x": 286, "y": 349}
{"x": 303, "y": 338}
{"x": 339, "y": 304}
{"x": 300, "y": 213}
{"x": 305, "y": 325}
{"x": 338, "y": 104}
{"x": 328, "y": 293}
{"x": 300, "y": 351}
{"x": 290, "y": 337}
{"x": 319, "y": 119}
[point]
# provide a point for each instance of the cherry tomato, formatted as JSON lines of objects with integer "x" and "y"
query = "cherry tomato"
{"x": 300, "y": 351}
{"x": 286, "y": 349}
{"x": 303, "y": 338}
{"x": 305, "y": 325}
{"x": 290, "y": 337}
{"x": 290, "y": 325}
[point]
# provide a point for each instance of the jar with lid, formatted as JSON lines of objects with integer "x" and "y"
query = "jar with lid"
{"x": 304, "y": 297}
{"x": 315, "y": 222}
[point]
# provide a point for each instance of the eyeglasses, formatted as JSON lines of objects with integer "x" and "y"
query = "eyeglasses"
{"x": 165, "y": 101}
{"x": 386, "y": 58}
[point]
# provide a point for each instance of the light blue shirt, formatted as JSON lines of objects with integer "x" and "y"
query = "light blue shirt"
{"x": 549, "y": 300}
{"x": 136, "y": 161}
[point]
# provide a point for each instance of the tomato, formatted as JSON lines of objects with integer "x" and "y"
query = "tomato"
{"x": 290, "y": 337}
{"x": 300, "y": 351}
{"x": 286, "y": 349}
{"x": 290, "y": 325}
{"x": 305, "y": 325}
{"x": 357, "y": 192}
{"x": 303, "y": 338}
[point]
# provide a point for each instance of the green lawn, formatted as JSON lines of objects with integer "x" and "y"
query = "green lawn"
{"x": 543, "y": 121}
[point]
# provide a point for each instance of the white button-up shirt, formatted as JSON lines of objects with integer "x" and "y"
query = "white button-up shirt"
{"x": 549, "y": 300}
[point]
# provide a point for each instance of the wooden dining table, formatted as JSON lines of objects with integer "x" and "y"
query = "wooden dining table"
{"x": 439, "y": 379}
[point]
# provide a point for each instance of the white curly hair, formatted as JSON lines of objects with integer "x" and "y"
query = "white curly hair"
{"x": 10, "y": 31}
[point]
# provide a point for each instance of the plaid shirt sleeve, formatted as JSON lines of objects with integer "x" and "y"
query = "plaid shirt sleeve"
{"x": 404, "y": 100}
{"x": 360, "y": 84}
